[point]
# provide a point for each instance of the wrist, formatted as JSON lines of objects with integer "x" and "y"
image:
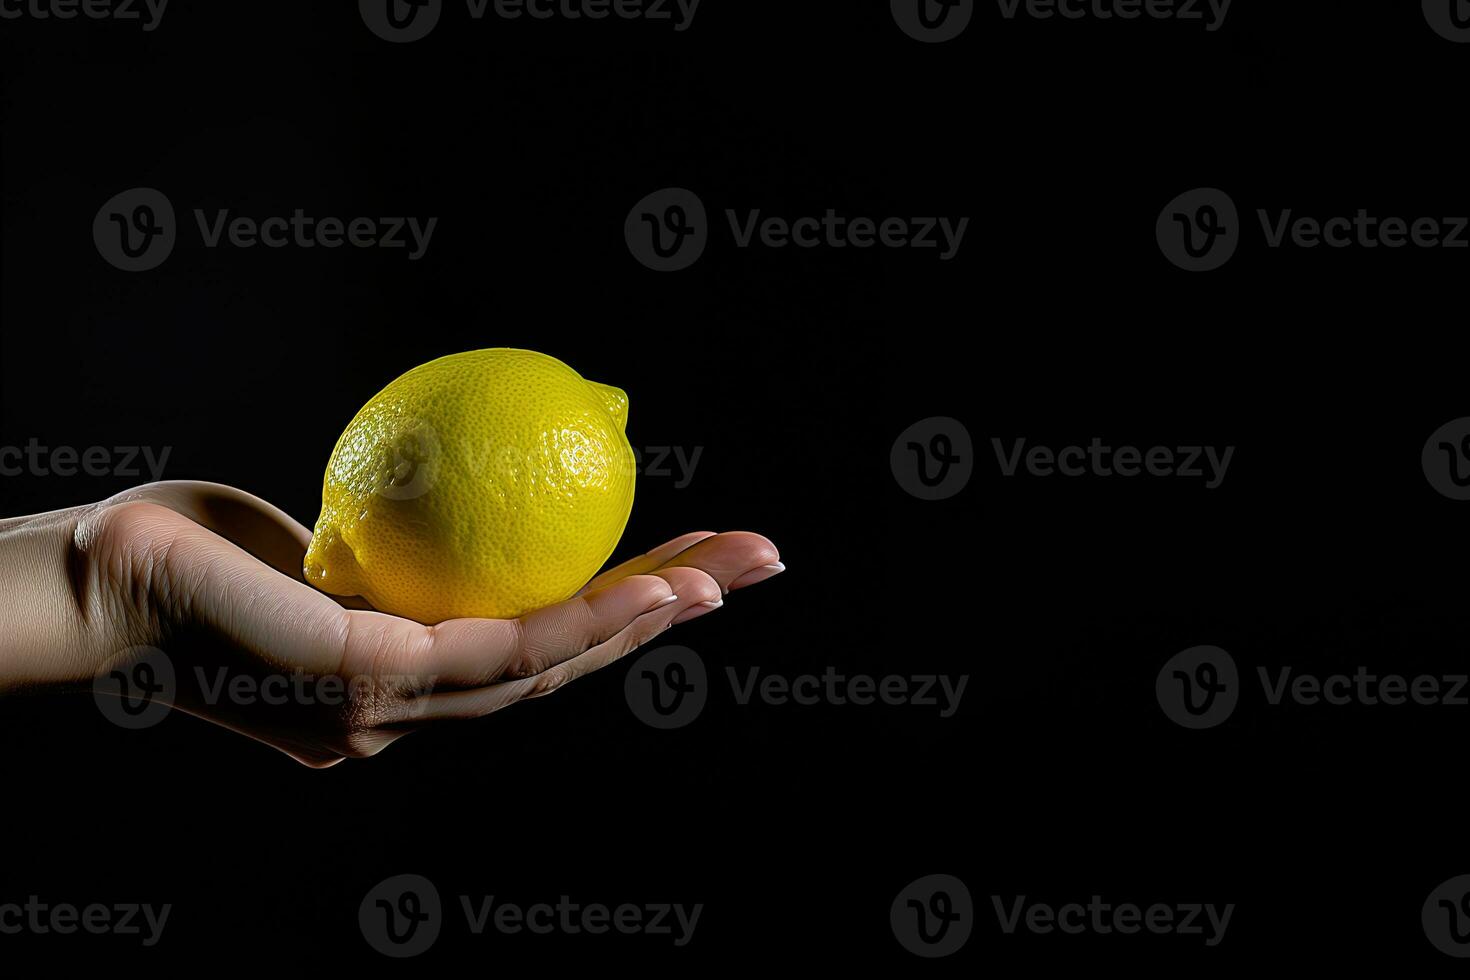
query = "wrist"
{"x": 64, "y": 610}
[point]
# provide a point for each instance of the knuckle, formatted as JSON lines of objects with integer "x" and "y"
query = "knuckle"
{"x": 530, "y": 663}
{"x": 697, "y": 585}
{"x": 121, "y": 551}
{"x": 530, "y": 657}
{"x": 651, "y": 588}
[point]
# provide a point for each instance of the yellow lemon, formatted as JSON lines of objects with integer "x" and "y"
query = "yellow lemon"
{"x": 487, "y": 483}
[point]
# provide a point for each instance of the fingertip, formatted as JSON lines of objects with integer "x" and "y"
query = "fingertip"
{"x": 693, "y": 585}
{"x": 758, "y": 574}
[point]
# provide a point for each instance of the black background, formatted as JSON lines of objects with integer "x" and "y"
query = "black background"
{"x": 794, "y": 371}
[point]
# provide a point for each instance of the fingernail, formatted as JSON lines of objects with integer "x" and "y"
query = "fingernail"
{"x": 661, "y": 603}
{"x": 697, "y": 610}
{"x": 758, "y": 575}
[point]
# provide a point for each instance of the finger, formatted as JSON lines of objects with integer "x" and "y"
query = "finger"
{"x": 243, "y": 519}
{"x": 696, "y": 591}
{"x": 471, "y": 653}
{"x": 734, "y": 559}
{"x": 460, "y": 705}
{"x": 647, "y": 562}
{"x": 568, "y": 629}
{"x": 467, "y": 654}
{"x": 445, "y": 705}
{"x": 691, "y": 583}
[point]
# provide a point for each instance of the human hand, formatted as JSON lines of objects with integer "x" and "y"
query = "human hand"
{"x": 211, "y": 576}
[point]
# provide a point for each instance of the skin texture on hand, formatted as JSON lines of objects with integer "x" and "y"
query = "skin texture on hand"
{"x": 211, "y": 576}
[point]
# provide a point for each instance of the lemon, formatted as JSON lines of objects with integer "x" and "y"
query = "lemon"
{"x": 487, "y": 483}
